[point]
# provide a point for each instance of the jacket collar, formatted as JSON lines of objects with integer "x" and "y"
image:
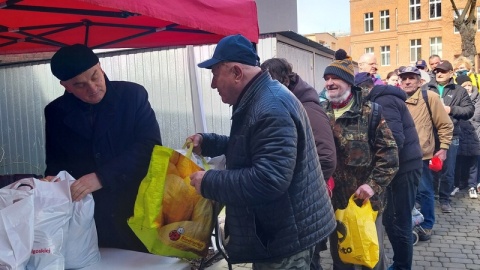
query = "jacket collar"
{"x": 413, "y": 99}
{"x": 250, "y": 91}
{"x": 79, "y": 118}
{"x": 433, "y": 84}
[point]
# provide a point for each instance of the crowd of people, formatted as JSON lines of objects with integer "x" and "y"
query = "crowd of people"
{"x": 292, "y": 157}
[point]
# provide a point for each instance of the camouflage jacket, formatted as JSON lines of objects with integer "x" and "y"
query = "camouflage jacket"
{"x": 358, "y": 162}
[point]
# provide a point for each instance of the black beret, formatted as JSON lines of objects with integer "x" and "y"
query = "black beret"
{"x": 71, "y": 61}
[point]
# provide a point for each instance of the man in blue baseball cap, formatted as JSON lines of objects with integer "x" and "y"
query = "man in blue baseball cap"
{"x": 273, "y": 187}
{"x": 421, "y": 64}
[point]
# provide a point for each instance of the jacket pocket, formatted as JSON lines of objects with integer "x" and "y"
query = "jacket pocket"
{"x": 359, "y": 152}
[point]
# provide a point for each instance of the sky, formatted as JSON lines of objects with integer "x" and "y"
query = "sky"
{"x": 316, "y": 16}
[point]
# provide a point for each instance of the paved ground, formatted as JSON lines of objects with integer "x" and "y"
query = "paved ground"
{"x": 455, "y": 242}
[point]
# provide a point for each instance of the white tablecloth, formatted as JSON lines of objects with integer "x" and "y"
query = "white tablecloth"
{"x": 120, "y": 259}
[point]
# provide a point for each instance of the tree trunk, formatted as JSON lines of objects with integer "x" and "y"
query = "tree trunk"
{"x": 469, "y": 49}
{"x": 465, "y": 22}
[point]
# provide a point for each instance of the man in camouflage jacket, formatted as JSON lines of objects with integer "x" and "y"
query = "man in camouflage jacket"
{"x": 364, "y": 167}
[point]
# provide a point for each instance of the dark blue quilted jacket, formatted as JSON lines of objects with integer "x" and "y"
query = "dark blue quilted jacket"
{"x": 275, "y": 195}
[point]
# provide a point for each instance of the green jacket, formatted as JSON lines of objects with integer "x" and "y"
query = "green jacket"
{"x": 358, "y": 162}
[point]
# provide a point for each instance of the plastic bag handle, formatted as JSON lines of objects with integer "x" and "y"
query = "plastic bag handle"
{"x": 352, "y": 201}
{"x": 189, "y": 146}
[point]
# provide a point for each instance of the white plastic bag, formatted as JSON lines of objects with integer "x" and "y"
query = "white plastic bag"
{"x": 64, "y": 235}
{"x": 81, "y": 246}
{"x": 53, "y": 210}
{"x": 16, "y": 228}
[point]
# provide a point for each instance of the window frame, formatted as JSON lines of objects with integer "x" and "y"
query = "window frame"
{"x": 385, "y": 55}
{"x": 368, "y": 22}
{"x": 415, "y": 50}
{"x": 437, "y": 6}
{"x": 385, "y": 20}
{"x": 437, "y": 46}
{"x": 412, "y": 7}
{"x": 478, "y": 14}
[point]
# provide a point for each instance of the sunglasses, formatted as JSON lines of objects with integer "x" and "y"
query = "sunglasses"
{"x": 441, "y": 71}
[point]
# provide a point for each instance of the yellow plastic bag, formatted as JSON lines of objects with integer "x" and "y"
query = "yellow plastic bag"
{"x": 170, "y": 218}
{"x": 357, "y": 234}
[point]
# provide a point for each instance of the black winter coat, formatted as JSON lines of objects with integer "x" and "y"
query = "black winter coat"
{"x": 276, "y": 198}
{"x": 469, "y": 138}
{"x": 475, "y": 97}
{"x": 400, "y": 121}
{"x": 117, "y": 148}
{"x": 455, "y": 96}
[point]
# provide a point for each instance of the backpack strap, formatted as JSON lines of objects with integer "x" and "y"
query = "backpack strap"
{"x": 434, "y": 128}
{"x": 373, "y": 122}
{"x": 425, "y": 98}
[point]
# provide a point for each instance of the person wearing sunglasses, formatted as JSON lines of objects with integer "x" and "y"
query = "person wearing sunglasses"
{"x": 459, "y": 106}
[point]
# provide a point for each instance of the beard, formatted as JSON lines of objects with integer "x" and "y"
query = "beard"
{"x": 338, "y": 99}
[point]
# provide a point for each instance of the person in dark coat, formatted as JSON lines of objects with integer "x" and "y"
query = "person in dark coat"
{"x": 401, "y": 191}
{"x": 475, "y": 97}
{"x": 466, "y": 170}
{"x": 277, "y": 204}
{"x": 102, "y": 132}
{"x": 281, "y": 70}
{"x": 459, "y": 106}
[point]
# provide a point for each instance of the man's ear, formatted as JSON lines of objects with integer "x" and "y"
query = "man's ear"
{"x": 237, "y": 72}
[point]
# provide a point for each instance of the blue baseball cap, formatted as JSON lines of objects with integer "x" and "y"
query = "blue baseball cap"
{"x": 235, "y": 48}
{"x": 421, "y": 64}
{"x": 413, "y": 70}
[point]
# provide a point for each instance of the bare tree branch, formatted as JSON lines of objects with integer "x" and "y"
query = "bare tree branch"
{"x": 471, "y": 16}
{"x": 455, "y": 9}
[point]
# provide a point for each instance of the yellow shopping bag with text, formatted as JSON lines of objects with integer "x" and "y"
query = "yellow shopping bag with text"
{"x": 170, "y": 218}
{"x": 357, "y": 234}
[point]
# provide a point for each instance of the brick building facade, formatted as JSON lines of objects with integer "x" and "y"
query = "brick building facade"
{"x": 400, "y": 32}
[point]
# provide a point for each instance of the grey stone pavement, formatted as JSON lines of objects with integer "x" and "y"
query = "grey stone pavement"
{"x": 455, "y": 242}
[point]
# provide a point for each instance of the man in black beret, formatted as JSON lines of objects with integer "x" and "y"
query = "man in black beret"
{"x": 102, "y": 132}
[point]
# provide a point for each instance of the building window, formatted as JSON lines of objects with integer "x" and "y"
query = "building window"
{"x": 384, "y": 20}
{"x": 415, "y": 50}
{"x": 436, "y": 46}
{"x": 415, "y": 10}
{"x": 369, "y": 50}
{"x": 478, "y": 14}
{"x": 455, "y": 30}
{"x": 435, "y": 9}
{"x": 385, "y": 55}
{"x": 369, "y": 22}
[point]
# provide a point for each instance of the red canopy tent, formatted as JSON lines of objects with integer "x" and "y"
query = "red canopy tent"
{"x": 45, "y": 25}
